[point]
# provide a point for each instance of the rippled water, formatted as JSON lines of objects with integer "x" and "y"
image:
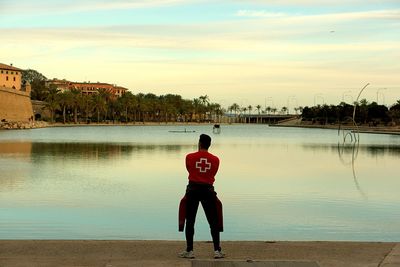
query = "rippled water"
{"x": 126, "y": 183}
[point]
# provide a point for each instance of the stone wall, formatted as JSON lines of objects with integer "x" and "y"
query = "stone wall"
{"x": 40, "y": 111}
{"x": 22, "y": 125}
{"x": 15, "y": 105}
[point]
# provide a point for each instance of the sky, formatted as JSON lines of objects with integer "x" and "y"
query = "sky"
{"x": 256, "y": 52}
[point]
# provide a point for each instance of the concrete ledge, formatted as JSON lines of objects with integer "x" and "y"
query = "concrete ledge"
{"x": 393, "y": 258}
{"x": 250, "y": 263}
{"x": 43, "y": 253}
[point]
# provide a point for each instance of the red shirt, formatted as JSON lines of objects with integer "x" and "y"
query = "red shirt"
{"x": 202, "y": 167}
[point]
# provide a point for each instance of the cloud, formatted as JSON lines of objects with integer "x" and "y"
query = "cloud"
{"x": 365, "y": 15}
{"x": 41, "y": 7}
{"x": 170, "y": 41}
{"x": 317, "y": 3}
{"x": 258, "y": 13}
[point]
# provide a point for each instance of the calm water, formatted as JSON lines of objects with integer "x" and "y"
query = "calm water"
{"x": 126, "y": 182}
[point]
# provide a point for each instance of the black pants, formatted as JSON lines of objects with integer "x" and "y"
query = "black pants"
{"x": 196, "y": 193}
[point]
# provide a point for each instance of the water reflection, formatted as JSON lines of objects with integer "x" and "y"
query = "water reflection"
{"x": 15, "y": 148}
{"x": 122, "y": 182}
{"x": 96, "y": 151}
{"x": 370, "y": 149}
{"x": 348, "y": 154}
{"x": 99, "y": 151}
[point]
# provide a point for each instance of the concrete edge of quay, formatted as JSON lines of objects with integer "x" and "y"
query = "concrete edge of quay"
{"x": 164, "y": 253}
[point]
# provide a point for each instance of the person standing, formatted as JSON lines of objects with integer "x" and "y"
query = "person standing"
{"x": 202, "y": 167}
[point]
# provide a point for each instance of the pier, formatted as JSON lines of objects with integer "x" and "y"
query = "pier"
{"x": 266, "y": 118}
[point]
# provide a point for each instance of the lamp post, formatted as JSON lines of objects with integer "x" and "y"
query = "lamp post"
{"x": 377, "y": 95}
{"x": 268, "y": 100}
{"x": 345, "y": 94}
{"x": 292, "y": 97}
{"x": 320, "y": 96}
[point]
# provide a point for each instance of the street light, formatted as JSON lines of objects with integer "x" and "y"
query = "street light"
{"x": 377, "y": 96}
{"x": 345, "y": 94}
{"x": 267, "y": 100}
{"x": 292, "y": 97}
{"x": 320, "y": 96}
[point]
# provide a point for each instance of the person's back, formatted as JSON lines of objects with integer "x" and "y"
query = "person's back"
{"x": 202, "y": 167}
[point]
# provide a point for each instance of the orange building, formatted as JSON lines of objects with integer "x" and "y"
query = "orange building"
{"x": 15, "y": 101}
{"x": 10, "y": 77}
{"x": 88, "y": 88}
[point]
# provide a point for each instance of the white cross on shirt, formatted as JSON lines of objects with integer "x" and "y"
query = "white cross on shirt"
{"x": 203, "y": 165}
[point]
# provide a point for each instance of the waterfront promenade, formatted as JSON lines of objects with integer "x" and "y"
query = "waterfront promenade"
{"x": 164, "y": 253}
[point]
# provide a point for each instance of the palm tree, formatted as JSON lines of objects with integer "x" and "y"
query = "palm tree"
{"x": 76, "y": 103}
{"x": 216, "y": 110}
{"x": 284, "y": 110}
{"x": 258, "y": 107}
{"x": 268, "y": 109}
{"x": 99, "y": 104}
{"x": 204, "y": 105}
{"x": 127, "y": 102}
{"x": 187, "y": 109}
{"x": 196, "y": 108}
{"x": 65, "y": 102}
{"x": 235, "y": 108}
{"x": 249, "y": 108}
{"x": 86, "y": 105}
{"x": 106, "y": 96}
{"x": 52, "y": 101}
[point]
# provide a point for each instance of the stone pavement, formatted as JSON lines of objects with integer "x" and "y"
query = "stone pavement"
{"x": 250, "y": 263}
{"x": 63, "y": 253}
{"x": 393, "y": 259}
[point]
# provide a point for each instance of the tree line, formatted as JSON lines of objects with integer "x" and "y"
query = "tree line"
{"x": 371, "y": 114}
{"x": 73, "y": 106}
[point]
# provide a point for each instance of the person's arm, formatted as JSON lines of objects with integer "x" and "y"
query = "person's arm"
{"x": 187, "y": 162}
{"x": 216, "y": 166}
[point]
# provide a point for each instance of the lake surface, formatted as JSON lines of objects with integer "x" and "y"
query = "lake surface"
{"x": 126, "y": 182}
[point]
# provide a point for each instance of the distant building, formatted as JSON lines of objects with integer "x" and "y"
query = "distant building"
{"x": 88, "y": 88}
{"x": 15, "y": 104}
{"x": 10, "y": 77}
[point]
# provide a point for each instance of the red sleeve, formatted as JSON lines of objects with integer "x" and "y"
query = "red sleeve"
{"x": 216, "y": 163}
{"x": 187, "y": 163}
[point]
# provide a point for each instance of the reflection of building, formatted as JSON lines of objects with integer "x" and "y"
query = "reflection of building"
{"x": 88, "y": 88}
{"x": 15, "y": 104}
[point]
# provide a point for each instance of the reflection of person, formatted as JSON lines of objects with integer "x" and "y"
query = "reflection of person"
{"x": 202, "y": 167}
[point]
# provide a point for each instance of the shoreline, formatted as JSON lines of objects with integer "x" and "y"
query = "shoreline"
{"x": 393, "y": 130}
{"x": 164, "y": 253}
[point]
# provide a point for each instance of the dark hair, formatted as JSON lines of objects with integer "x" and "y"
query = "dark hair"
{"x": 205, "y": 141}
